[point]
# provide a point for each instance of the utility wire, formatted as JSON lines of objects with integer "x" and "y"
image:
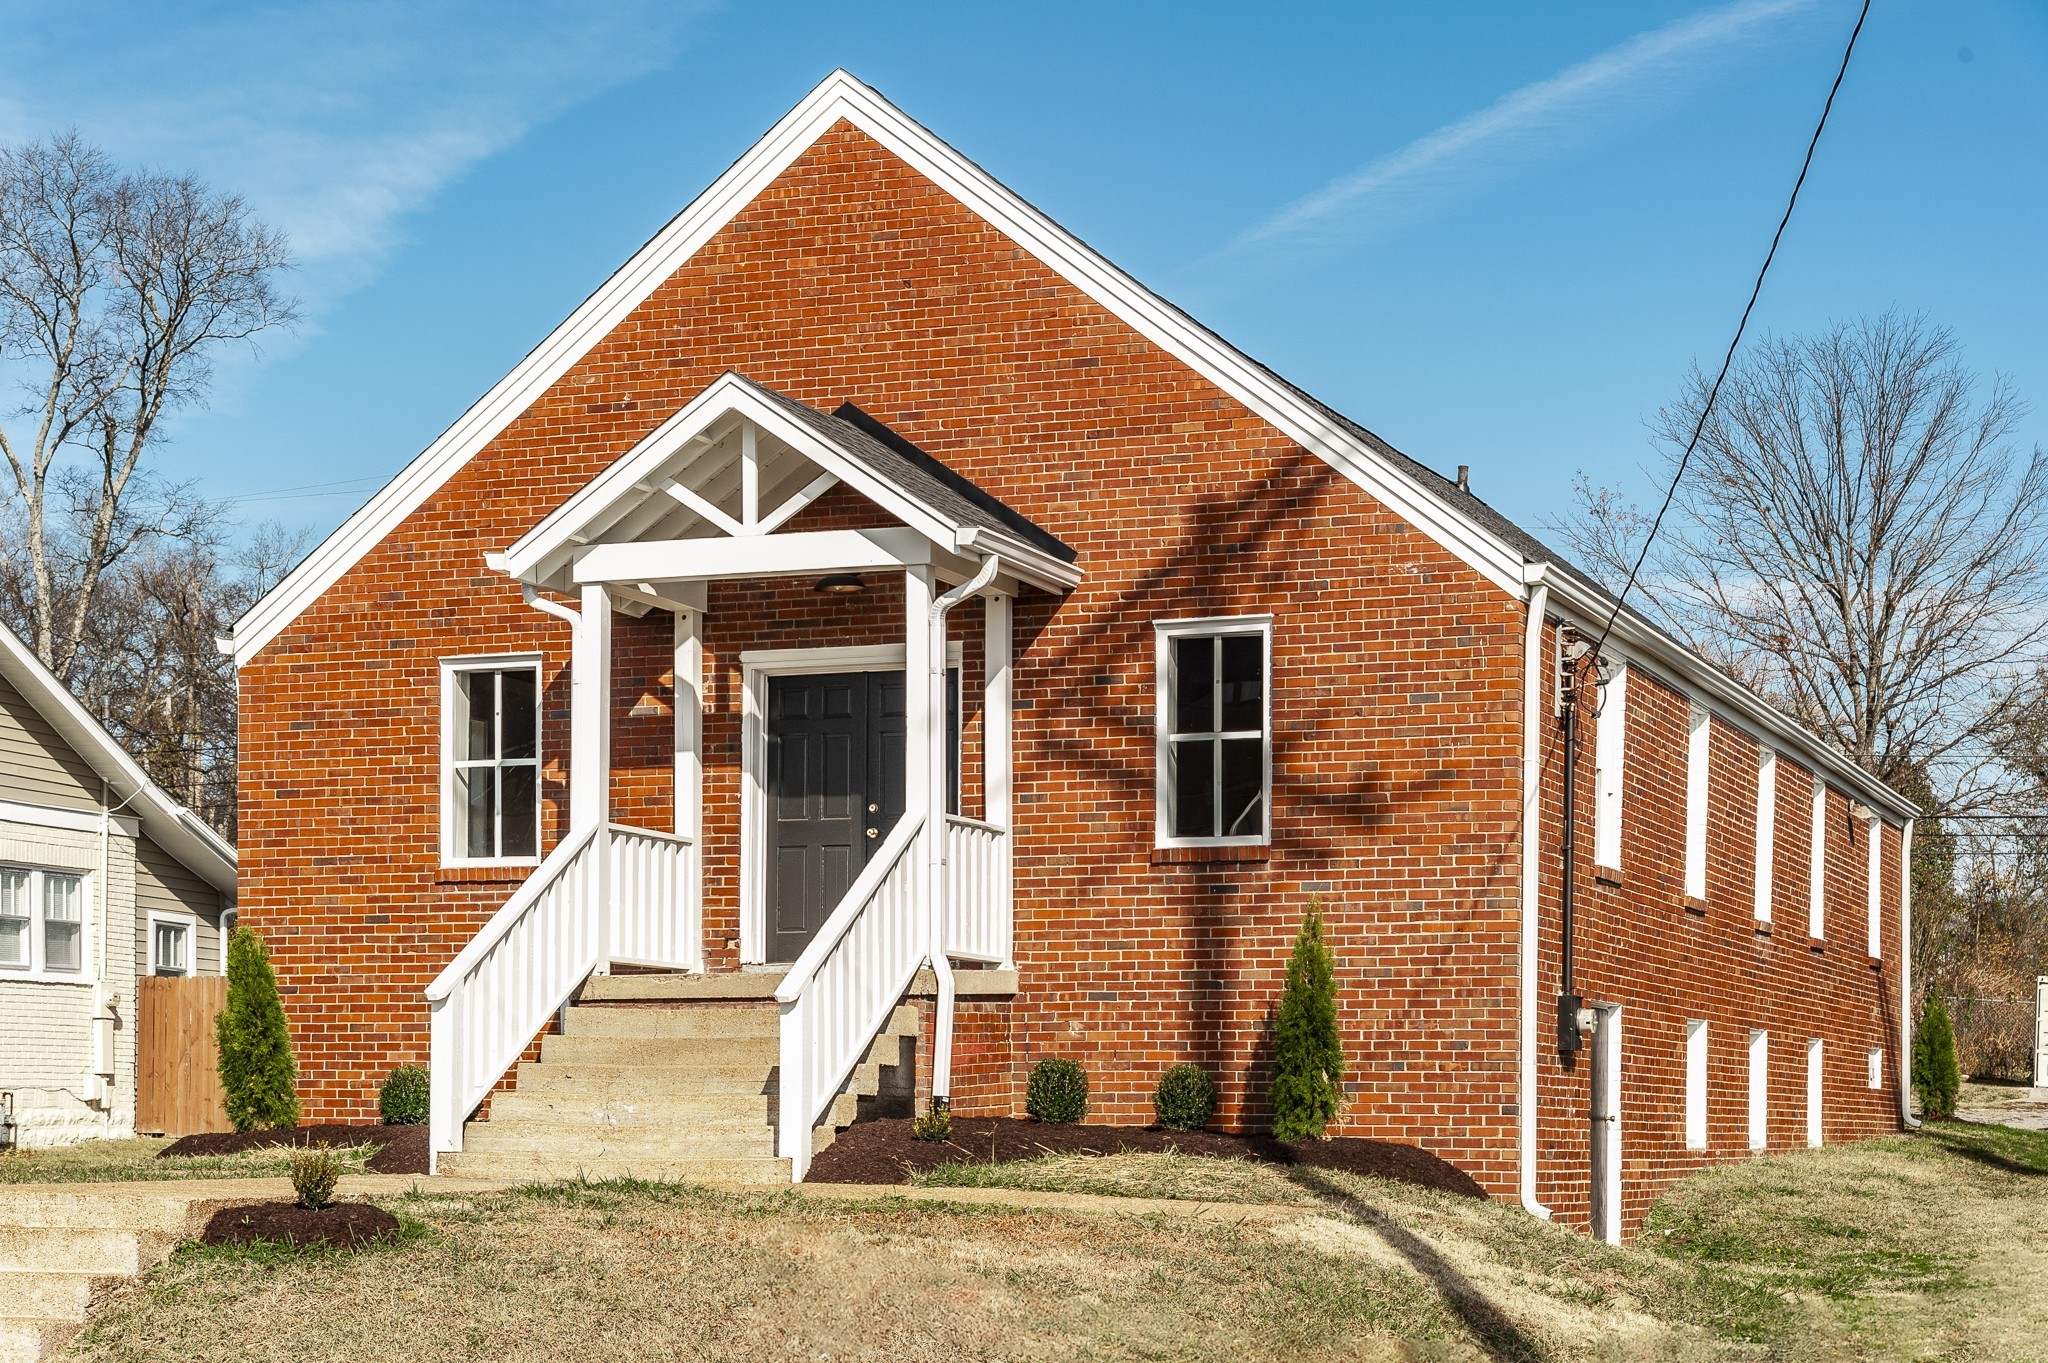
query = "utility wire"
{"x": 1728, "y": 360}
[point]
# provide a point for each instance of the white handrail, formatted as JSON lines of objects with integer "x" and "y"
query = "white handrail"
{"x": 843, "y": 987}
{"x": 508, "y": 914}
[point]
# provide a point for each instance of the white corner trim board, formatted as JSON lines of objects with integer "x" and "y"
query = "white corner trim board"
{"x": 841, "y": 97}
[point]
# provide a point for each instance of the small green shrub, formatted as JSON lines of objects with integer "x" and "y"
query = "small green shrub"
{"x": 1185, "y": 1099}
{"x": 935, "y": 1123}
{"x": 1937, "y": 1079}
{"x": 315, "y": 1171}
{"x": 405, "y": 1099}
{"x": 1308, "y": 1054}
{"x": 257, "y": 1071}
{"x": 1057, "y": 1091}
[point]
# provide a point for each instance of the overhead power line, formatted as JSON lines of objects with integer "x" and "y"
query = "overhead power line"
{"x": 1728, "y": 360}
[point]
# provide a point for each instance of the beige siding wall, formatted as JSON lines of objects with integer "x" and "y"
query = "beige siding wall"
{"x": 36, "y": 766}
{"x": 163, "y": 885}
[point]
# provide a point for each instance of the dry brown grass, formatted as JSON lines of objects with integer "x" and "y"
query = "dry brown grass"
{"x": 121, "y": 1161}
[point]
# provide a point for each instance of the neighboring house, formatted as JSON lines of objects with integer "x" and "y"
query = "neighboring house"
{"x": 103, "y": 878}
{"x": 873, "y": 599}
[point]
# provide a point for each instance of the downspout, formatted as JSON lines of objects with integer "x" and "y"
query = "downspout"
{"x": 935, "y": 829}
{"x": 1906, "y": 979}
{"x": 1532, "y": 865}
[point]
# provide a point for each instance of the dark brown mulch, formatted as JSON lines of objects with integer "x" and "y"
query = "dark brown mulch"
{"x": 338, "y": 1223}
{"x": 401, "y": 1149}
{"x": 885, "y": 1152}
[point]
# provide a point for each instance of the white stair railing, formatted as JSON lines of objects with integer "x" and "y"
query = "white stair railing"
{"x": 526, "y": 962}
{"x": 844, "y": 986}
{"x": 977, "y": 891}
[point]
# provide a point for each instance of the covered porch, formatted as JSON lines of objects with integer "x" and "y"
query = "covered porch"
{"x": 854, "y": 862}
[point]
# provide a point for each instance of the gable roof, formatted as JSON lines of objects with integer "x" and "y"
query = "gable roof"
{"x": 168, "y": 824}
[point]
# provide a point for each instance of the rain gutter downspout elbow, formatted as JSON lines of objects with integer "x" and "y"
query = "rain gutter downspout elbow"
{"x": 1532, "y": 865}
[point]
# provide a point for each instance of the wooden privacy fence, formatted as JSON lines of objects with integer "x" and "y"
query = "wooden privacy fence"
{"x": 177, "y": 1074}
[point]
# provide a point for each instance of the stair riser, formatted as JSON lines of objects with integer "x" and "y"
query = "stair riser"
{"x": 571, "y": 1143}
{"x": 44, "y": 1296}
{"x": 30, "y": 1341}
{"x": 684, "y": 1053}
{"x": 712, "y": 1110}
{"x": 732, "y": 1171}
{"x": 698, "y": 1021}
{"x": 68, "y": 1250}
{"x": 617, "y": 1083}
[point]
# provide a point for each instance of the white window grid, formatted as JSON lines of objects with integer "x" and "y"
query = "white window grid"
{"x": 453, "y": 670}
{"x": 173, "y": 943}
{"x": 46, "y": 924}
{"x": 1165, "y": 632}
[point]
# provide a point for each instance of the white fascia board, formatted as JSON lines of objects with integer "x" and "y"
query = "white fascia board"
{"x": 174, "y": 828}
{"x": 816, "y": 551}
{"x": 841, "y": 96}
{"x": 70, "y": 820}
{"x": 1652, "y": 650}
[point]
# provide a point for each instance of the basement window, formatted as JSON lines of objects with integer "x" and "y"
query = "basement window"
{"x": 1214, "y": 716}
{"x": 490, "y": 761}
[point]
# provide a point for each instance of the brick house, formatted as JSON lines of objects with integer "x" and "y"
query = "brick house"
{"x": 874, "y": 643}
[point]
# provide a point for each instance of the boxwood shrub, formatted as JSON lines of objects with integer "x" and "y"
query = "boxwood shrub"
{"x": 405, "y": 1097}
{"x": 1185, "y": 1099}
{"x": 1057, "y": 1090}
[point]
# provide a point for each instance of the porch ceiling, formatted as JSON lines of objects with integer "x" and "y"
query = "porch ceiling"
{"x": 736, "y": 465}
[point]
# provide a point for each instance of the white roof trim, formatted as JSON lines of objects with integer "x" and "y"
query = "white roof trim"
{"x": 171, "y": 826}
{"x": 838, "y": 97}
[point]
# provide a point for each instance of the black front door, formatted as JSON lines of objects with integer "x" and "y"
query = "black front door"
{"x": 835, "y": 789}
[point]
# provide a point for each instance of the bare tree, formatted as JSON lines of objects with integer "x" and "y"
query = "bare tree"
{"x": 1857, "y": 537}
{"x": 116, "y": 292}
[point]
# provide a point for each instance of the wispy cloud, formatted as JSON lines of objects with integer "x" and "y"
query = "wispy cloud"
{"x": 1511, "y": 130}
{"x": 334, "y": 120}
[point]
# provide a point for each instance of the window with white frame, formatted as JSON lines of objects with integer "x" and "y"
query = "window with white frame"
{"x": 1696, "y": 1085}
{"x": 1875, "y": 1061}
{"x": 1759, "y": 1090}
{"x": 1214, "y": 717}
{"x": 1766, "y": 829}
{"x": 1814, "y": 1076}
{"x": 170, "y": 946}
{"x": 1610, "y": 743}
{"x": 43, "y": 923}
{"x": 1817, "y": 864}
{"x": 1875, "y": 828}
{"x": 1699, "y": 730}
{"x": 491, "y": 752}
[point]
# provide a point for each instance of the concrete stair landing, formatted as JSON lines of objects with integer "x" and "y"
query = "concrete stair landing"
{"x": 667, "y": 1077}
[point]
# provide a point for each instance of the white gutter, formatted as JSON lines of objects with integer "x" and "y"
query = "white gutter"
{"x": 1906, "y": 979}
{"x": 1532, "y": 866}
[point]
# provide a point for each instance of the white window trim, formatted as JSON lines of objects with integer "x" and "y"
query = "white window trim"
{"x": 1766, "y": 829}
{"x": 1164, "y": 632}
{"x": 451, "y": 668}
{"x": 88, "y": 913}
{"x": 1816, "y": 1071}
{"x": 190, "y": 923}
{"x": 1817, "y": 865}
{"x": 1610, "y": 762}
{"x": 1699, "y": 744}
{"x": 1759, "y": 1090}
{"x": 1696, "y": 1040}
{"x": 1875, "y": 828}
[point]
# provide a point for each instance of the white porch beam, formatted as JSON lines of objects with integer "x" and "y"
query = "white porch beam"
{"x": 821, "y": 551}
{"x": 703, "y": 506}
{"x": 810, "y": 492}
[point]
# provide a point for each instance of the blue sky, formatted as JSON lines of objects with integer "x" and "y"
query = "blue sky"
{"x": 1497, "y": 233}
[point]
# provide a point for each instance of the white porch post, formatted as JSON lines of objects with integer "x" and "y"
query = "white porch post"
{"x": 924, "y": 676}
{"x": 997, "y": 782}
{"x": 689, "y": 777}
{"x": 590, "y": 747}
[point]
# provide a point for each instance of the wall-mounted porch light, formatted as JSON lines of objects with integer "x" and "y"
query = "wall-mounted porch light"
{"x": 841, "y": 584}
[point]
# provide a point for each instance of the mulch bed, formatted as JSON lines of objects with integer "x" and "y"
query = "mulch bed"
{"x": 401, "y": 1149}
{"x": 885, "y": 1152}
{"x": 338, "y": 1223}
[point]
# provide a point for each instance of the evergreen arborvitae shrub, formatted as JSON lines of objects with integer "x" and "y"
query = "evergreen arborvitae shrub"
{"x": 1185, "y": 1098}
{"x": 1057, "y": 1090}
{"x": 405, "y": 1099}
{"x": 256, "y": 1066}
{"x": 1937, "y": 1079}
{"x": 1308, "y": 1055}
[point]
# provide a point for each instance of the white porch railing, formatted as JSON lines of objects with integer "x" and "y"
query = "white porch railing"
{"x": 579, "y": 910}
{"x": 843, "y": 987}
{"x": 977, "y": 891}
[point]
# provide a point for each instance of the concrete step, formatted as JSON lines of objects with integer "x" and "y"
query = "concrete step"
{"x": 627, "y": 1083}
{"x": 745, "y": 984}
{"x": 715, "y": 1110}
{"x": 69, "y": 1249}
{"x": 107, "y": 1207}
{"x": 31, "y": 1341}
{"x": 533, "y": 1168}
{"x": 593, "y": 1142}
{"x": 709, "y": 1021}
{"x": 666, "y": 1052}
{"x": 45, "y": 1296}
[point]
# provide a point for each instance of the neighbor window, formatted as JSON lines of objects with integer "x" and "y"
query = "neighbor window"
{"x": 1814, "y": 1074}
{"x": 1214, "y": 776}
{"x": 1875, "y": 828}
{"x": 1875, "y": 1060}
{"x": 1759, "y": 1090}
{"x": 1766, "y": 829}
{"x": 1817, "y": 865}
{"x": 1610, "y": 735}
{"x": 492, "y": 739}
{"x": 1698, "y": 741}
{"x": 1696, "y": 1085}
{"x": 42, "y": 921}
{"x": 170, "y": 947}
